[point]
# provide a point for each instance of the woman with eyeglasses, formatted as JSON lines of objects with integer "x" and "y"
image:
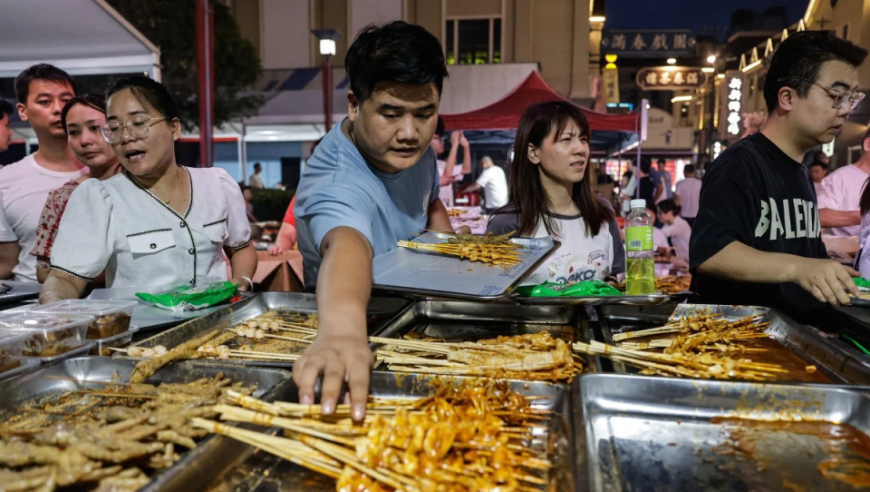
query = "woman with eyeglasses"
{"x": 82, "y": 117}
{"x": 157, "y": 224}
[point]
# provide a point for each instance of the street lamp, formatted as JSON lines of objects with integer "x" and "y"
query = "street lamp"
{"x": 327, "y": 38}
{"x": 711, "y": 59}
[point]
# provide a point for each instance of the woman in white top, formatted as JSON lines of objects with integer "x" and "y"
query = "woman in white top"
{"x": 552, "y": 194}
{"x": 157, "y": 224}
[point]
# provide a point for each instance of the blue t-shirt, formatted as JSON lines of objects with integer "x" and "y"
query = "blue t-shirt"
{"x": 340, "y": 189}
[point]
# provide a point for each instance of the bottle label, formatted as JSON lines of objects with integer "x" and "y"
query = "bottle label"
{"x": 639, "y": 238}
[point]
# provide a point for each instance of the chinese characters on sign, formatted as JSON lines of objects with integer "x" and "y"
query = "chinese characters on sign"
{"x": 611, "y": 85}
{"x": 648, "y": 43}
{"x": 735, "y": 97}
{"x": 670, "y": 78}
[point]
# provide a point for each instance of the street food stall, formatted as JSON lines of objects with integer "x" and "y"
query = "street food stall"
{"x": 472, "y": 390}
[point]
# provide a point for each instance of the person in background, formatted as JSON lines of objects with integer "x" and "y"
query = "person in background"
{"x": 82, "y": 118}
{"x": 494, "y": 185}
{"x": 247, "y": 194}
{"x": 157, "y": 224}
{"x": 675, "y": 227}
{"x": 256, "y": 181}
{"x": 667, "y": 181}
{"x": 6, "y": 109}
{"x": 821, "y": 156}
{"x": 448, "y": 172}
{"x": 841, "y": 194}
{"x": 43, "y": 90}
{"x": 649, "y": 191}
{"x": 628, "y": 187}
{"x": 862, "y": 259}
{"x": 604, "y": 183}
{"x": 818, "y": 171}
{"x": 757, "y": 237}
{"x": 688, "y": 194}
{"x": 371, "y": 182}
{"x": 286, "y": 238}
{"x": 553, "y": 194}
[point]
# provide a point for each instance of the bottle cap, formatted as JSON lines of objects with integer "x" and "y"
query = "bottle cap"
{"x": 639, "y": 203}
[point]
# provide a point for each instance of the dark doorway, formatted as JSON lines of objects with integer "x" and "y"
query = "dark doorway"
{"x": 290, "y": 169}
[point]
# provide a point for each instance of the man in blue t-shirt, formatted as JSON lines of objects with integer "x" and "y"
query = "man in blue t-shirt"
{"x": 371, "y": 182}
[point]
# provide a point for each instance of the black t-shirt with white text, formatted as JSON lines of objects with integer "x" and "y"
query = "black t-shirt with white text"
{"x": 756, "y": 194}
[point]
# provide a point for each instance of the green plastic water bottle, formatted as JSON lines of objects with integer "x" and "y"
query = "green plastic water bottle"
{"x": 640, "y": 257}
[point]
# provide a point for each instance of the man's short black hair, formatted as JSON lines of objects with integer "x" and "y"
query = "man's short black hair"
{"x": 439, "y": 128}
{"x": 819, "y": 164}
{"x": 800, "y": 57}
{"x": 6, "y": 108}
{"x": 689, "y": 169}
{"x": 661, "y": 161}
{"x": 41, "y": 71}
{"x": 645, "y": 164}
{"x": 394, "y": 52}
{"x": 257, "y": 164}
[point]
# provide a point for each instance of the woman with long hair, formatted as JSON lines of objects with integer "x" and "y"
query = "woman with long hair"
{"x": 157, "y": 224}
{"x": 81, "y": 118}
{"x": 552, "y": 193}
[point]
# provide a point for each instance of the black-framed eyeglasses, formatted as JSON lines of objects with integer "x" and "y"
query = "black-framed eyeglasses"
{"x": 840, "y": 96}
{"x": 138, "y": 126}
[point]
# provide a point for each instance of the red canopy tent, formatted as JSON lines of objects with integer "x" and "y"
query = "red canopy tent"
{"x": 506, "y": 113}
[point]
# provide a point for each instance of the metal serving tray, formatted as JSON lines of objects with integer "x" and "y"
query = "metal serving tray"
{"x": 646, "y": 433}
{"x": 650, "y": 300}
{"x": 421, "y": 274}
{"x": 832, "y": 357}
{"x": 213, "y": 454}
{"x": 380, "y": 311}
{"x": 19, "y": 291}
{"x": 265, "y": 473}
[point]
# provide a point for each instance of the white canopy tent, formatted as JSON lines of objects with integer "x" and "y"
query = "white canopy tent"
{"x": 83, "y": 37}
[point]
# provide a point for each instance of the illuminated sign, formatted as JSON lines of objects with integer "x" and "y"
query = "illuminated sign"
{"x": 735, "y": 97}
{"x": 648, "y": 43}
{"x": 670, "y": 78}
{"x": 717, "y": 149}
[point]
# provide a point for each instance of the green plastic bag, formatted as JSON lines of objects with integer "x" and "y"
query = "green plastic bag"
{"x": 591, "y": 288}
{"x": 191, "y": 299}
{"x": 862, "y": 282}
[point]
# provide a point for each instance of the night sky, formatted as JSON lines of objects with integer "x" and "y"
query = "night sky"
{"x": 688, "y": 14}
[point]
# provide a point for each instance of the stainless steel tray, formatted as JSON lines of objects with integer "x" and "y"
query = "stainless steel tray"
{"x": 420, "y": 274}
{"x": 381, "y": 310}
{"x": 213, "y": 454}
{"x": 832, "y": 357}
{"x": 645, "y": 433}
{"x": 264, "y": 473}
{"x": 19, "y": 291}
{"x": 650, "y": 300}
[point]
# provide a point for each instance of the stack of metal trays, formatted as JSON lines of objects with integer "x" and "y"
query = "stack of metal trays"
{"x": 835, "y": 361}
{"x": 265, "y": 473}
{"x": 673, "y": 435}
{"x": 380, "y": 312}
{"x": 648, "y": 300}
{"x": 212, "y": 455}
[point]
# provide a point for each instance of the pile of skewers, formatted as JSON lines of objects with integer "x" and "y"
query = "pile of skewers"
{"x": 111, "y": 438}
{"x": 701, "y": 346}
{"x": 494, "y": 250}
{"x": 673, "y": 284}
{"x": 534, "y": 357}
{"x": 466, "y": 438}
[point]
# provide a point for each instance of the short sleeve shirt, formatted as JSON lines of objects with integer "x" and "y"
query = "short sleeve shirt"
{"x": 841, "y": 191}
{"x": 757, "y": 195}
{"x": 340, "y": 189}
{"x": 119, "y": 226}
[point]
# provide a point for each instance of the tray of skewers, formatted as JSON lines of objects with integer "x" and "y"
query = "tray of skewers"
{"x": 461, "y": 266}
{"x": 269, "y": 329}
{"x": 721, "y": 342}
{"x": 81, "y": 425}
{"x": 421, "y": 433}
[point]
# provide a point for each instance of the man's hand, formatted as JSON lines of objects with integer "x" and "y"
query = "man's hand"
{"x": 446, "y": 180}
{"x": 342, "y": 356}
{"x": 275, "y": 250}
{"x": 463, "y": 141}
{"x": 827, "y": 280}
{"x": 455, "y": 138}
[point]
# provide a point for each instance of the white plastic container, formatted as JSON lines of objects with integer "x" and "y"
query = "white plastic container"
{"x": 121, "y": 340}
{"x": 47, "y": 336}
{"x": 111, "y": 318}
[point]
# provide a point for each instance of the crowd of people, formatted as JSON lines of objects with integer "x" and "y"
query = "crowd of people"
{"x": 105, "y": 202}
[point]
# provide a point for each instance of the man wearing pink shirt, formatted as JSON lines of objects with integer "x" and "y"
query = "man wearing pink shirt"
{"x": 841, "y": 192}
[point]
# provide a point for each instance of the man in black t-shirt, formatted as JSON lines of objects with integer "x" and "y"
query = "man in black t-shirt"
{"x": 757, "y": 239}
